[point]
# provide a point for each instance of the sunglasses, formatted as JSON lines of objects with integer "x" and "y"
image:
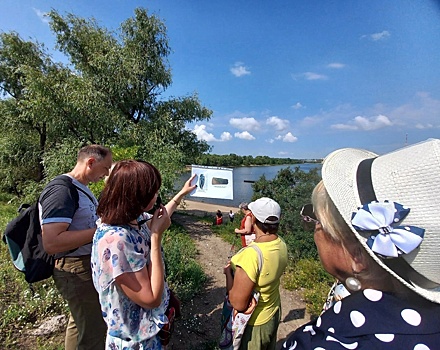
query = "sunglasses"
{"x": 308, "y": 217}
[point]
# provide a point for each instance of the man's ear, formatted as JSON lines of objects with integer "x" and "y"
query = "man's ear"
{"x": 90, "y": 161}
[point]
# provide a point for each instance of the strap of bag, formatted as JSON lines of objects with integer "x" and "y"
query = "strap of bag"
{"x": 67, "y": 181}
{"x": 80, "y": 189}
{"x": 260, "y": 257}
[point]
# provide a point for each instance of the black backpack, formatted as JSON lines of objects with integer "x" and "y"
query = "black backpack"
{"x": 24, "y": 239}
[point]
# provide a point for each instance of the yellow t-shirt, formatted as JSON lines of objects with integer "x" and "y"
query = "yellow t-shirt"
{"x": 268, "y": 283}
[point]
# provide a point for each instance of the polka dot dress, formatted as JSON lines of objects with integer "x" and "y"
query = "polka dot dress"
{"x": 371, "y": 320}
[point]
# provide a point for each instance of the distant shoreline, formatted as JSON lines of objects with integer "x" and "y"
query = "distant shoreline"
{"x": 305, "y": 161}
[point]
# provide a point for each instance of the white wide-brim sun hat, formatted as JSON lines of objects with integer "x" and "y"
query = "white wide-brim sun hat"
{"x": 409, "y": 176}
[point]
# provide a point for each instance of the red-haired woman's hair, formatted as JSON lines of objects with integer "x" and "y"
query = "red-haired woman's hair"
{"x": 129, "y": 189}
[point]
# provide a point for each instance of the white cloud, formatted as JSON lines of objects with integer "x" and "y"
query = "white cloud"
{"x": 289, "y": 138}
{"x": 278, "y": 123}
{"x": 239, "y": 69}
{"x": 344, "y": 127}
{"x": 225, "y": 136}
{"x": 244, "y": 135}
{"x": 297, "y": 105}
{"x": 312, "y": 76}
{"x": 422, "y": 111}
{"x": 377, "y": 36}
{"x": 204, "y": 135}
{"x": 43, "y": 16}
{"x": 245, "y": 123}
{"x": 336, "y": 65}
{"x": 424, "y": 126}
{"x": 364, "y": 123}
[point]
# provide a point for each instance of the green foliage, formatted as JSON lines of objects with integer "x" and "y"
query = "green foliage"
{"x": 110, "y": 93}
{"x": 309, "y": 276}
{"x": 291, "y": 189}
{"x": 184, "y": 275}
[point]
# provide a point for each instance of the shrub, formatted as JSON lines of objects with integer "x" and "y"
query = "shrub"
{"x": 309, "y": 276}
{"x": 184, "y": 275}
{"x": 291, "y": 188}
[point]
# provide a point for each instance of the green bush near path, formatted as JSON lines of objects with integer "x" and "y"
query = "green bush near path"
{"x": 308, "y": 276}
{"x": 184, "y": 274}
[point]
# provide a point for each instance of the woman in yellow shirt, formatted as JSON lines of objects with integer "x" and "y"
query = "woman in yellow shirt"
{"x": 242, "y": 276}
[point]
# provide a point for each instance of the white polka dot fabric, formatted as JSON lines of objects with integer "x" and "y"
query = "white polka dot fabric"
{"x": 371, "y": 320}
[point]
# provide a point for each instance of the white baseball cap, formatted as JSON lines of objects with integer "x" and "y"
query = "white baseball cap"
{"x": 264, "y": 208}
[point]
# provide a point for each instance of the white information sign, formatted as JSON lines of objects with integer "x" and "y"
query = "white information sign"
{"x": 212, "y": 182}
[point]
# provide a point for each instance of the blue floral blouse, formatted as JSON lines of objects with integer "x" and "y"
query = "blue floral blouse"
{"x": 117, "y": 250}
{"x": 371, "y": 320}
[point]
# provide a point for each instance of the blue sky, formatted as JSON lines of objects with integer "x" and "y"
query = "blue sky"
{"x": 287, "y": 78}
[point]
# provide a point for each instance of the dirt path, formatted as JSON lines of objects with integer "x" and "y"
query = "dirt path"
{"x": 200, "y": 323}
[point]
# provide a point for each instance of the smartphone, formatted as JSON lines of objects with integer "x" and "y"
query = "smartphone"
{"x": 156, "y": 205}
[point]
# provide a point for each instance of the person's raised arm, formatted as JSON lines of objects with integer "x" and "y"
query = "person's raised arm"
{"x": 172, "y": 205}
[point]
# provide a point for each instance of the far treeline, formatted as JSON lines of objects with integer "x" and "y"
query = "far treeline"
{"x": 233, "y": 160}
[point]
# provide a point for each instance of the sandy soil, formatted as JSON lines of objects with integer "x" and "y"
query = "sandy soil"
{"x": 200, "y": 322}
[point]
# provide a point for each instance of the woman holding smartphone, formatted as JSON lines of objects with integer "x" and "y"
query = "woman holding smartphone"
{"x": 127, "y": 259}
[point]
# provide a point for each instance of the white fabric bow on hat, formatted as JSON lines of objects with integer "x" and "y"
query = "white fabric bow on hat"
{"x": 387, "y": 240}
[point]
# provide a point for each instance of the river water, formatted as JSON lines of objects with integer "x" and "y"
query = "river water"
{"x": 242, "y": 187}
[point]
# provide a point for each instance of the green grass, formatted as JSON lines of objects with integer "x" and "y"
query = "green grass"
{"x": 226, "y": 232}
{"x": 308, "y": 276}
{"x": 184, "y": 274}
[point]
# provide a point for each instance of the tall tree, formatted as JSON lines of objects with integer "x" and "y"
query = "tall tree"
{"x": 110, "y": 92}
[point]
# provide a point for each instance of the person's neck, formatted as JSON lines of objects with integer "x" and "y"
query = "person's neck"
{"x": 261, "y": 237}
{"x": 79, "y": 175}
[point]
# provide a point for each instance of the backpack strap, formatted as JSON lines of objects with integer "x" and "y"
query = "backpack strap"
{"x": 88, "y": 195}
{"x": 68, "y": 182}
{"x": 260, "y": 257}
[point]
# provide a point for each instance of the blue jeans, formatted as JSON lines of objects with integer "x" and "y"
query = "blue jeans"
{"x": 86, "y": 329}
